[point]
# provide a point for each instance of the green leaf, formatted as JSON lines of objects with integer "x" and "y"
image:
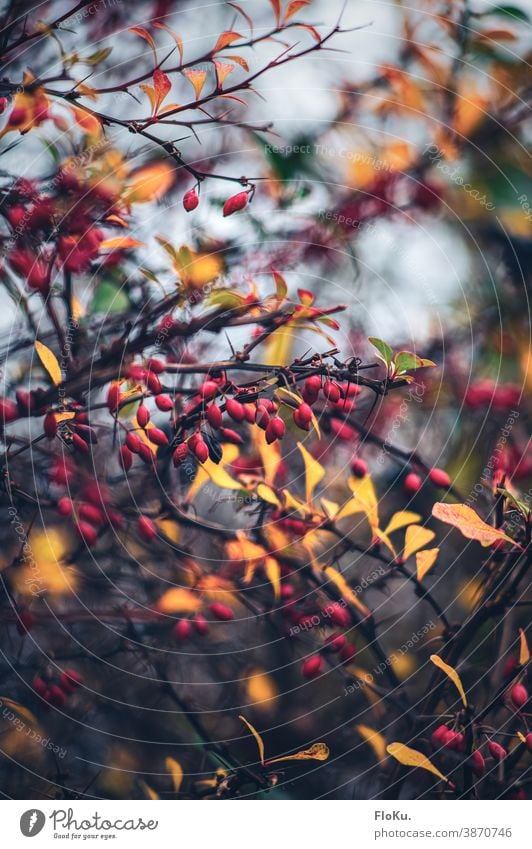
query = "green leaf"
{"x": 406, "y": 360}
{"x": 383, "y": 348}
{"x": 109, "y": 298}
{"x": 509, "y": 12}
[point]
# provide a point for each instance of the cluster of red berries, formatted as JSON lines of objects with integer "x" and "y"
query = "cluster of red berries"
{"x": 91, "y": 512}
{"x": 413, "y": 482}
{"x": 56, "y": 691}
{"x": 199, "y": 624}
{"x": 233, "y": 204}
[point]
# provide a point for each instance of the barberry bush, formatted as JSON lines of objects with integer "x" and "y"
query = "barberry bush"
{"x": 249, "y": 547}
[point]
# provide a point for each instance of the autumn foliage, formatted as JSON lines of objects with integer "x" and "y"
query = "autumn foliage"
{"x": 249, "y": 547}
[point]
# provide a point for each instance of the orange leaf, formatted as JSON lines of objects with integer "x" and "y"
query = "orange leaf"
{"x": 240, "y": 61}
{"x": 88, "y": 122}
{"x": 276, "y": 6}
{"x": 225, "y": 39}
{"x": 222, "y": 71}
{"x": 174, "y": 35}
{"x": 469, "y": 523}
{"x": 149, "y": 182}
{"x": 196, "y": 78}
{"x": 294, "y": 7}
{"x": 524, "y": 651}
{"x": 146, "y": 36}
{"x": 120, "y": 243}
{"x": 244, "y": 15}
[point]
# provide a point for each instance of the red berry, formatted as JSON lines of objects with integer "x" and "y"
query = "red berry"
{"x": 338, "y": 614}
{"x": 359, "y": 468}
{"x": 519, "y": 695}
{"x": 157, "y": 366}
{"x": 262, "y": 417}
{"x": 274, "y": 430}
{"x": 164, "y": 403}
{"x": 190, "y": 200}
{"x": 214, "y": 416}
{"x": 200, "y": 449}
{"x": 92, "y": 514}
{"x": 438, "y": 735}
{"x": 143, "y": 415}
{"x": 79, "y": 444}
{"x": 8, "y": 411}
{"x": 126, "y": 458}
{"x": 229, "y": 435}
{"x": 221, "y": 611}
{"x": 200, "y": 624}
{"x": 497, "y": 751}
{"x": 335, "y": 642}
{"x": 182, "y": 629}
{"x": 56, "y": 696}
{"x": 528, "y": 740}
{"x": 146, "y": 528}
{"x": 180, "y": 453}
{"x": 40, "y": 686}
{"x": 312, "y": 666}
{"x": 113, "y": 397}
{"x": 313, "y": 384}
{"x": 412, "y": 483}
{"x": 235, "y": 203}
{"x": 87, "y": 532}
{"x": 157, "y": 436}
{"x": 439, "y": 478}
{"x": 331, "y": 391}
{"x": 64, "y": 506}
{"x": 208, "y": 389}
{"x": 235, "y": 409}
{"x": 348, "y": 653}
{"x": 153, "y": 383}
{"x": 133, "y": 442}
{"x": 50, "y": 425}
{"x": 478, "y": 763}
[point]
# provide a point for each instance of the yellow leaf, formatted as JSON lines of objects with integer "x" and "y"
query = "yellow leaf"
{"x": 314, "y": 472}
{"x": 364, "y": 494}
{"x": 223, "y": 69}
{"x": 316, "y": 752}
{"x": 49, "y": 361}
{"x": 400, "y": 520}
{"x": 261, "y": 690}
{"x": 524, "y": 652}
{"x": 178, "y": 600}
{"x": 469, "y": 523}
{"x": 345, "y": 590}
{"x": 196, "y": 270}
{"x": 257, "y": 737}
{"x": 278, "y": 350}
{"x": 273, "y": 573}
{"x": 16, "y": 708}
{"x": 385, "y": 539}
{"x": 63, "y": 417}
{"x": 176, "y": 771}
{"x": 208, "y": 469}
{"x": 151, "y": 794}
{"x": 149, "y": 183}
{"x": 197, "y": 78}
{"x": 416, "y": 537}
{"x": 374, "y": 739}
{"x": 452, "y": 674}
{"x": 267, "y": 494}
{"x": 425, "y": 560}
{"x": 411, "y": 757}
{"x": 46, "y": 573}
{"x": 120, "y": 243}
{"x": 243, "y": 549}
{"x": 270, "y": 455}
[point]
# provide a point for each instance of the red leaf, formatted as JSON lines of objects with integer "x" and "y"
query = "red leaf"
{"x": 293, "y": 8}
{"x": 244, "y": 15}
{"x": 161, "y": 85}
